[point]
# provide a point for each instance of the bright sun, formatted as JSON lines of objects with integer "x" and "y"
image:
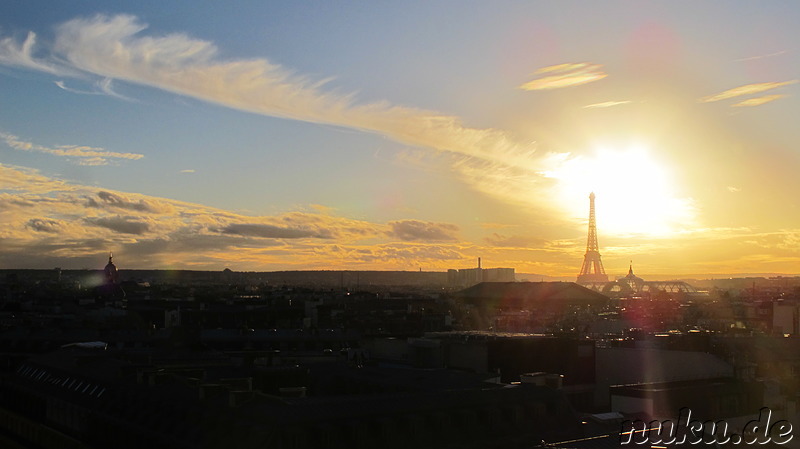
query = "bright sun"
{"x": 634, "y": 192}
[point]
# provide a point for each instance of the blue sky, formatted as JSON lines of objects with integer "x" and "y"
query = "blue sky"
{"x": 292, "y": 135}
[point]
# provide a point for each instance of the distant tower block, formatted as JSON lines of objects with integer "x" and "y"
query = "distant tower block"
{"x": 592, "y": 269}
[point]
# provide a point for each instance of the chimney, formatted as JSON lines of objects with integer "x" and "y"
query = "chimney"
{"x": 479, "y": 262}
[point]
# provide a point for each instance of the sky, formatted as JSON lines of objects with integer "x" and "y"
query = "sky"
{"x": 264, "y": 136}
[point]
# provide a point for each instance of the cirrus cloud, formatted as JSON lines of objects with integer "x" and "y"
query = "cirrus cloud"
{"x": 758, "y": 101}
{"x": 117, "y": 47}
{"x": 606, "y": 104}
{"x": 565, "y": 75}
{"x": 747, "y": 89}
{"x": 83, "y": 155}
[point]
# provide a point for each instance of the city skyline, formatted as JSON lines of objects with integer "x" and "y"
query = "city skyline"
{"x": 265, "y": 137}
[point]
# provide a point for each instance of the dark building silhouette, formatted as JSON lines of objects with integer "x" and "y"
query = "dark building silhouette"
{"x": 110, "y": 290}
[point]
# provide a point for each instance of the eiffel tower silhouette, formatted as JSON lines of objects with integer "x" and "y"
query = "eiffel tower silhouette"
{"x": 592, "y": 270}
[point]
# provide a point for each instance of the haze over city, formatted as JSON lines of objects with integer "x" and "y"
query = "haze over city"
{"x": 403, "y": 136}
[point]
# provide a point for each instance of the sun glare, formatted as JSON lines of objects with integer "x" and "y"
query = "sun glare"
{"x": 634, "y": 192}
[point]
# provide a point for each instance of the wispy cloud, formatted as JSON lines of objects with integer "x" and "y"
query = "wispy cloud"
{"x": 275, "y": 232}
{"x": 606, "y": 104}
{"x": 117, "y": 48}
{"x": 565, "y": 75}
{"x": 758, "y": 101}
{"x": 20, "y": 54}
{"x": 188, "y": 170}
{"x": 114, "y": 48}
{"x": 753, "y": 58}
{"x": 63, "y": 86}
{"x": 747, "y": 89}
{"x": 82, "y": 155}
{"x": 101, "y": 87}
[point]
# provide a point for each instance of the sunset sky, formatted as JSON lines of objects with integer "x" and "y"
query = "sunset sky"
{"x": 267, "y": 136}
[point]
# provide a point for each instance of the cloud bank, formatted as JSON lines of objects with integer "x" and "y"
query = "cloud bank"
{"x": 45, "y": 221}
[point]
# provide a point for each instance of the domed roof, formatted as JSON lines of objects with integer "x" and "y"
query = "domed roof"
{"x": 110, "y": 270}
{"x": 633, "y": 277}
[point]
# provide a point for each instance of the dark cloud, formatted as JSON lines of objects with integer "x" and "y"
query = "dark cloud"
{"x": 44, "y": 225}
{"x": 415, "y": 230}
{"x": 274, "y": 232}
{"x": 125, "y": 225}
{"x": 108, "y": 199}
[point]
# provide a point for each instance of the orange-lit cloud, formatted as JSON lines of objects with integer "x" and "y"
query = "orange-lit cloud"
{"x": 758, "y": 101}
{"x": 45, "y": 221}
{"x": 747, "y": 89}
{"x": 82, "y": 155}
{"x": 565, "y": 75}
{"x": 21, "y": 179}
{"x": 415, "y": 230}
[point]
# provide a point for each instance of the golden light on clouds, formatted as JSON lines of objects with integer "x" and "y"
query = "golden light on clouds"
{"x": 565, "y": 75}
{"x": 757, "y": 101}
{"x": 80, "y": 154}
{"x": 86, "y": 221}
{"x": 747, "y": 89}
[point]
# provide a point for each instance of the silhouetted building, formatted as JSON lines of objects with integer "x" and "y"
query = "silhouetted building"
{"x": 110, "y": 290}
{"x": 467, "y": 277}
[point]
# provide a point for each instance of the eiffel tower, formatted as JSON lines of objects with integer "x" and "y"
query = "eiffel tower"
{"x": 592, "y": 269}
